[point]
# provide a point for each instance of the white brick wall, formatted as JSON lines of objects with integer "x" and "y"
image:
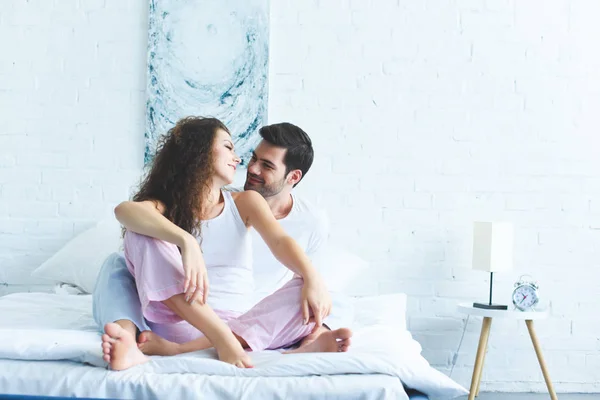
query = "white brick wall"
{"x": 72, "y": 80}
{"x": 425, "y": 116}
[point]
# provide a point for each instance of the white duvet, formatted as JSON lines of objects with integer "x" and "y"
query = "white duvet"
{"x": 48, "y": 327}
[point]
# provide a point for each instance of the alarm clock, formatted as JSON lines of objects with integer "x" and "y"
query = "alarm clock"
{"x": 525, "y": 294}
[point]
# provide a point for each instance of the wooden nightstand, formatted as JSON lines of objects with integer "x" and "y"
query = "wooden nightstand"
{"x": 528, "y": 316}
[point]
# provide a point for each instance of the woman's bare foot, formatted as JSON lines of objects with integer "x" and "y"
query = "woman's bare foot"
{"x": 233, "y": 353}
{"x": 120, "y": 349}
{"x": 153, "y": 345}
{"x": 326, "y": 342}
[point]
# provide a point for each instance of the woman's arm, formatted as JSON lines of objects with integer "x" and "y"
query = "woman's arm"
{"x": 146, "y": 218}
{"x": 256, "y": 213}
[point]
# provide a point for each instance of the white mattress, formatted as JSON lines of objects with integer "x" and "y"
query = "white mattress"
{"x": 45, "y": 338}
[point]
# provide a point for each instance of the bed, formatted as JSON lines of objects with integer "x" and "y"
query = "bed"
{"x": 50, "y": 346}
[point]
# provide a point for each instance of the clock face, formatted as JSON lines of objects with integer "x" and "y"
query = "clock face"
{"x": 525, "y": 297}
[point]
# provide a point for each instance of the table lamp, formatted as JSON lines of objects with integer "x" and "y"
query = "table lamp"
{"x": 492, "y": 252}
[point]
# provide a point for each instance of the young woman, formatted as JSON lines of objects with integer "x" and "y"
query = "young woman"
{"x": 183, "y": 230}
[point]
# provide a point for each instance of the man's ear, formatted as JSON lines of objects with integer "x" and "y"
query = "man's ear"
{"x": 294, "y": 176}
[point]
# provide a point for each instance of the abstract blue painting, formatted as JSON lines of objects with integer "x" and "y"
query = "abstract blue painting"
{"x": 208, "y": 58}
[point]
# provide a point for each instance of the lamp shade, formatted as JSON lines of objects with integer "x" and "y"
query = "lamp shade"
{"x": 493, "y": 246}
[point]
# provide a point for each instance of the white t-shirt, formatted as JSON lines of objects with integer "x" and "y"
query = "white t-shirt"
{"x": 308, "y": 226}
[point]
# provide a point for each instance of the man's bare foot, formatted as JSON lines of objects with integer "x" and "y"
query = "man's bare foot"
{"x": 120, "y": 349}
{"x": 325, "y": 342}
{"x": 153, "y": 345}
{"x": 233, "y": 353}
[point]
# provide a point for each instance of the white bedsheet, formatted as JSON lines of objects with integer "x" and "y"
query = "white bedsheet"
{"x": 65, "y": 378}
{"x": 51, "y": 327}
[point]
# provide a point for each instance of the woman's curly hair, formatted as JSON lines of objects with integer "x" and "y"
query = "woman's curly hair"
{"x": 181, "y": 171}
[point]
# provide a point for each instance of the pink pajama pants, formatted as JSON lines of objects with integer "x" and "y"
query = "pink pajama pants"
{"x": 156, "y": 265}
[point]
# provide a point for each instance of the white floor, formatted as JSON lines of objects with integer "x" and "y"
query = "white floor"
{"x": 533, "y": 396}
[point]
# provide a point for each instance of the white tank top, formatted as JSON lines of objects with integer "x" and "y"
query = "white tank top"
{"x": 227, "y": 249}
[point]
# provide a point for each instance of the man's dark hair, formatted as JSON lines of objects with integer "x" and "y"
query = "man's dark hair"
{"x": 299, "y": 154}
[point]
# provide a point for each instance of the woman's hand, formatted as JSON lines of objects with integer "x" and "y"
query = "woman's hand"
{"x": 315, "y": 296}
{"x": 196, "y": 277}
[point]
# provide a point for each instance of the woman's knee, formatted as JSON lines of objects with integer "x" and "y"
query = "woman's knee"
{"x": 151, "y": 248}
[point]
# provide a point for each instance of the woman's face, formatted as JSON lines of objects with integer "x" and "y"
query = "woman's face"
{"x": 225, "y": 159}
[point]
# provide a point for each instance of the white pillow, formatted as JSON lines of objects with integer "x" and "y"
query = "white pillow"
{"x": 385, "y": 309}
{"x": 79, "y": 261}
{"x": 338, "y": 267}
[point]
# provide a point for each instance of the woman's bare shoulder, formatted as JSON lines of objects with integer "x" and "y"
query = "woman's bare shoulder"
{"x": 250, "y": 204}
{"x": 247, "y": 196}
{"x": 151, "y": 204}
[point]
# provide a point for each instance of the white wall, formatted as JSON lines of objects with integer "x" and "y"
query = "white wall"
{"x": 425, "y": 115}
{"x": 72, "y": 92}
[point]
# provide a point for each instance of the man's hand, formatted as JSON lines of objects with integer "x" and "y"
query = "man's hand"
{"x": 315, "y": 296}
{"x": 196, "y": 277}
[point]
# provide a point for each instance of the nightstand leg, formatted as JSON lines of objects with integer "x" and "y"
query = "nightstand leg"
{"x": 481, "y": 349}
{"x": 538, "y": 352}
{"x": 485, "y": 346}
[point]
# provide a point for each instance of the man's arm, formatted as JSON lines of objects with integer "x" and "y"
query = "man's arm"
{"x": 256, "y": 213}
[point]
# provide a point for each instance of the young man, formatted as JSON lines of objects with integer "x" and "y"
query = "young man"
{"x": 279, "y": 163}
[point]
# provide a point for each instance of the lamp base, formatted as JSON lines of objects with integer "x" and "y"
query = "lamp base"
{"x": 490, "y": 306}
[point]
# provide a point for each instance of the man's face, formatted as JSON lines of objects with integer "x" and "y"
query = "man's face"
{"x": 266, "y": 170}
